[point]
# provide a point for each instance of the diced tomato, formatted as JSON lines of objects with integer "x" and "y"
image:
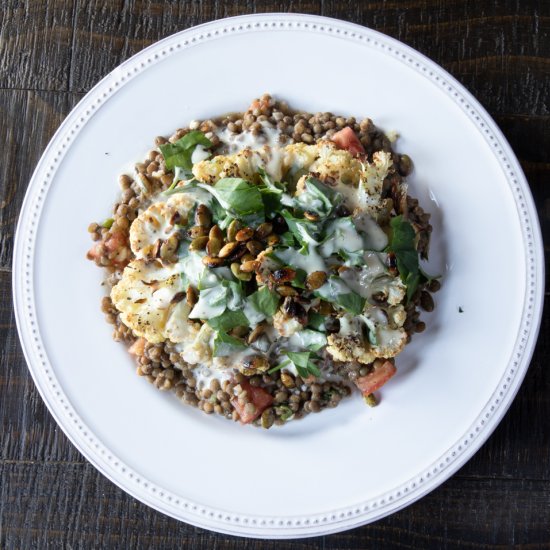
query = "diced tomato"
{"x": 115, "y": 242}
{"x": 261, "y": 104}
{"x": 95, "y": 252}
{"x": 138, "y": 347}
{"x": 258, "y": 396}
{"x": 376, "y": 379}
{"x": 347, "y": 139}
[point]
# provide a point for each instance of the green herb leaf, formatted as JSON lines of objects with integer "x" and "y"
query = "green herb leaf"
{"x": 311, "y": 339}
{"x": 239, "y": 195}
{"x": 299, "y": 280}
{"x": 316, "y": 321}
{"x": 299, "y": 358}
{"x": 265, "y": 301}
{"x": 228, "y": 320}
{"x": 337, "y": 292}
{"x": 212, "y": 302}
{"x": 402, "y": 244}
{"x": 287, "y": 239}
{"x": 108, "y": 223}
{"x": 341, "y": 234}
{"x": 180, "y": 152}
{"x": 312, "y": 369}
{"x": 235, "y": 295}
{"x": 317, "y": 197}
{"x": 226, "y": 345}
{"x": 304, "y": 231}
{"x": 304, "y": 365}
{"x": 279, "y": 366}
{"x": 351, "y": 302}
{"x": 353, "y": 258}
{"x": 274, "y": 194}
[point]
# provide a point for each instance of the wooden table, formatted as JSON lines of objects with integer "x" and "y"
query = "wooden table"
{"x": 51, "y": 53}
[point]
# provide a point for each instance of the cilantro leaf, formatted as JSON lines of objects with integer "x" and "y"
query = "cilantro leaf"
{"x": 265, "y": 301}
{"x": 337, "y": 292}
{"x": 317, "y": 197}
{"x": 351, "y": 301}
{"x": 226, "y": 345}
{"x": 299, "y": 358}
{"x": 228, "y": 320}
{"x": 402, "y": 244}
{"x": 316, "y": 320}
{"x": 239, "y": 195}
{"x": 299, "y": 280}
{"x": 304, "y": 231}
{"x": 312, "y": 340}
{"x": 179, "y": 153}
{"x": 304, "y": 366}
{"x": 302, "y": 363}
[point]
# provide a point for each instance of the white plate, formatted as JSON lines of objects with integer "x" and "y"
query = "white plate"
{"x": 347, "y": 466}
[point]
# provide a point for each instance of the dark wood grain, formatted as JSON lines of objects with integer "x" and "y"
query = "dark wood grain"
{"x": 28, "y": 120}
{"x": 53, "y": 51}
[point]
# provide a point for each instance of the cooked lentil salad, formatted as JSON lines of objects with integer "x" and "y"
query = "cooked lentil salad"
{"x": 263, "y": 264}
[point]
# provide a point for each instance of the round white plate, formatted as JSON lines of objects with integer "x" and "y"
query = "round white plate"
{"x": 347, "y": 466}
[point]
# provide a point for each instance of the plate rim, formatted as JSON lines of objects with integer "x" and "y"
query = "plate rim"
{"x": 224, "y": 521}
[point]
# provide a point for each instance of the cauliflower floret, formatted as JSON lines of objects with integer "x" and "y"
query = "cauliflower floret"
{"x": 374, "y": 173}
{"x": 397, "y": 315}
{"x": 244, "y": 164}
{"x": 146, "y": 296}
{"x": 325, "y": 160}
{"x": 199, "y": 350}
{"x": 368, "y": 197}
{"x": 349, "y": 348}
{"x": 390, "y": 342}
{"x": 158, "y": 223}
{"x": 350, "y": 344}
{"x": 179, "y": 328}
{"x": 285, "y": 324}
{"x": 265, "y": 266}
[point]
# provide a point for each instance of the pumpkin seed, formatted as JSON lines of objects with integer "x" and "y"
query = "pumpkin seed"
{"x": 236, "y": 270}
{"x": 249, "y": 266}
{"x": 209, "y": 261}
{"x": 197, "y": 231}
{"x": 316, "y": 280}
{"x": 216, "y": 233}
{"x": 285, "y": 290}
{"x": 213, "y": 246}
{"x": 233, "y": 229}
{"x": 228, "y": 249}
{"x": 191, "y": 296}
{"x": 254, "y": 247}
{"x": 244, "y": 234}
{"x": 272, "y": 240}
{"x": 203, "y": 216}
{"x": 199, "y": 243}
{"x": 264, "y": 230}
